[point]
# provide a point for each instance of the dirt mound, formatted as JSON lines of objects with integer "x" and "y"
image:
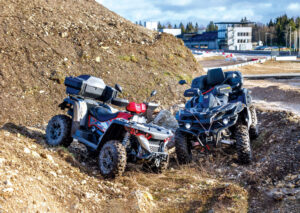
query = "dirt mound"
{"x": 35, "y": 177}
{"x": 41, "y": 42}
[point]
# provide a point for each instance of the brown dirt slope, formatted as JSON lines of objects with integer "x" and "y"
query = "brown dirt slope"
{"x": 41, "y": 42}
{"x": 38, "y": 178}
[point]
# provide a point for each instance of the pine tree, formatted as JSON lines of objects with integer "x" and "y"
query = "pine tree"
{"x": 159, "y": 26}
{"x": 211, "y": 27}
{"x": 196, "y": 27}
{"x": 181, "y": 26}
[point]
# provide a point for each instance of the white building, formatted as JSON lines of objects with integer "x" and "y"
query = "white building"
{"x": 235, "y": 35}
{"x": 151, "y": 25}
{"x": 174, "y": 32}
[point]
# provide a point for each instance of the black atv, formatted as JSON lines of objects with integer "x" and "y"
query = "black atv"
{"x": 219, "y": 112}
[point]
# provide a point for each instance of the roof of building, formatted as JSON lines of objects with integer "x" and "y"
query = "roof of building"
{"x": 235, "y": 22}
{"x": 206, "y": 36}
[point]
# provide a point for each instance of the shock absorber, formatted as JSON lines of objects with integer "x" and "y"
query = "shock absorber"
{"x": 126, "y": 139}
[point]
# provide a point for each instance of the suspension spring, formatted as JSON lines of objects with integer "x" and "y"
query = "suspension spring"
{"x": 126, "y": 139}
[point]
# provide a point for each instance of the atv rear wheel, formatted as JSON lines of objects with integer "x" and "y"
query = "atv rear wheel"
{"x": 253, "y": 130}
{"x": 183, "y": 150}
{"x": 58, "y": 131}
{"x": 243, "y": 146}
{"x": 112, "y": 159}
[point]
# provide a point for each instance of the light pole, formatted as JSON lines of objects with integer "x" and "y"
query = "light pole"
{"x": 266, "y": 37}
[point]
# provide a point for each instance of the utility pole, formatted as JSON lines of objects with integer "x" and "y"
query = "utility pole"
{"x": 271, "y": 39}
{"x": 295, "y": 40}
{"x": 266, "y": 39}
{"x": 290, "y": 39}
{"x": 299, "y": 42}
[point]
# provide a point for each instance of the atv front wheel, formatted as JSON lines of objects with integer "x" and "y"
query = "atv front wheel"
{"x": 243, "y": 146}
{"x": 253, "y": 130}
{"x": 183, "y": 150}
{"x": 112, "y": 159}
{"x": 58, "y": 131}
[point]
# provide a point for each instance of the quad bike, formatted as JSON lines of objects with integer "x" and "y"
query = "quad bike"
{"x": 116, "y": 137}
{"x": 219, "y": 112}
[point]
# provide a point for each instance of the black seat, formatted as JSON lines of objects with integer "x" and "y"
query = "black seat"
{"x": 102, "y": 113}
{"x": 215, "y": 77}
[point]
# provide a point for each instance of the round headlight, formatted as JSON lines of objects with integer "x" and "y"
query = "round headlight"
{"x": 187, "y": 125}
{"x": 225, "y": 121}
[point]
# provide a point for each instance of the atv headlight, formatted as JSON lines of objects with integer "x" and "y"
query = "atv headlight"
{"x": 187, "y": 125}
{"x": 225, "y": 121}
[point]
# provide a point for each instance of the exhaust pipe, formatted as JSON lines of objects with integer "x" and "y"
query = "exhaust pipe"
{"x": 144, "y": 142}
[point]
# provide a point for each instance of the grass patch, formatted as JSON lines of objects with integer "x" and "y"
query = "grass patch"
{"x": 129, "y": 58}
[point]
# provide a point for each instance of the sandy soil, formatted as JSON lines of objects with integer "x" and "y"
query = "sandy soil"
{"x": 276, "y": 94}
{"x": 270, "y": 67}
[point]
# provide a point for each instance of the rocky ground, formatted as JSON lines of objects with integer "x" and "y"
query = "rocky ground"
{"x": 37, "y": 177}
{"x": 41, "y": 42}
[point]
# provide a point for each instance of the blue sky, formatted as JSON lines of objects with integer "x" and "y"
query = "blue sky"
{"x": 202, "y": 11}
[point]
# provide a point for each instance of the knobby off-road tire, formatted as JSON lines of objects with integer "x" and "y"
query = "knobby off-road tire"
{"x": 112, "y": 159}
{"x": 243, "y": 146}
{"x": 58, "y": 131}
{"x": 253, "y": 130}
{"x": 183, "y": 151}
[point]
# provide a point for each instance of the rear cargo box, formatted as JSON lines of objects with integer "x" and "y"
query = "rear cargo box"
{"x": 86, "y": 86}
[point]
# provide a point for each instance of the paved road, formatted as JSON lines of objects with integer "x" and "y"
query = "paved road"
{"x": 275, "y": 76}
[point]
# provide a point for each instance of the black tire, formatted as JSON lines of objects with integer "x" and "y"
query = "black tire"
{"x": 112, "y": 159}
{"x": 58, "y": 131}
{"x": 243, "y": 146}
{"x": 253, "y": 130}
{"x": 183, "y": 150}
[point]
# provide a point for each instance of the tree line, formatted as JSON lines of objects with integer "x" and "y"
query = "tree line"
{"x": 190, "y": 27}
{"x": 280, "y": 31}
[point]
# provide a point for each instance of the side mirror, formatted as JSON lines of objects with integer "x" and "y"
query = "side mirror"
{"x": 118, "y": 88}
{"x": 182, "y": 82}
{"x": 153, "y": 93}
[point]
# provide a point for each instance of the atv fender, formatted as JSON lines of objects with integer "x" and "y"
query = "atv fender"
{"x": 115, "y": 131}
{"x": 245, "y": 117}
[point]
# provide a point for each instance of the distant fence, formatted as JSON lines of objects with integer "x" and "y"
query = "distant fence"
{"x": 262, "y": 52}
{"x": 254, "y": 52}
{"x": 239, "y": 65}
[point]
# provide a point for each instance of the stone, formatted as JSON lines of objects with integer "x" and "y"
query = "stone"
{"x": 277, "y": 195}
{"x": 166, "y": 119}
{"x": 144, "y": 201}
{"x": 234, "y": 165}
{"x": 2, "y": 160}
{"x": 98, "y": 59}
{"x": 64, "y": 34}
{"x": 8, "y": 183}
{"x": 35, "y": 154}
{"x": 7, "y": 190}
{"x": 53, "y": 173}
{"x": 26, "y": 150}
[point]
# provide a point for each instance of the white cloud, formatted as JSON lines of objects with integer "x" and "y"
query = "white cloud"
{"x": 201, "y": 11}
{"x": 294, "y": 7}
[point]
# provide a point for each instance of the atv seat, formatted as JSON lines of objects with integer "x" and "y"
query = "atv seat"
{"x": 206, "y": 82}
{"x": 102, "y": 113}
